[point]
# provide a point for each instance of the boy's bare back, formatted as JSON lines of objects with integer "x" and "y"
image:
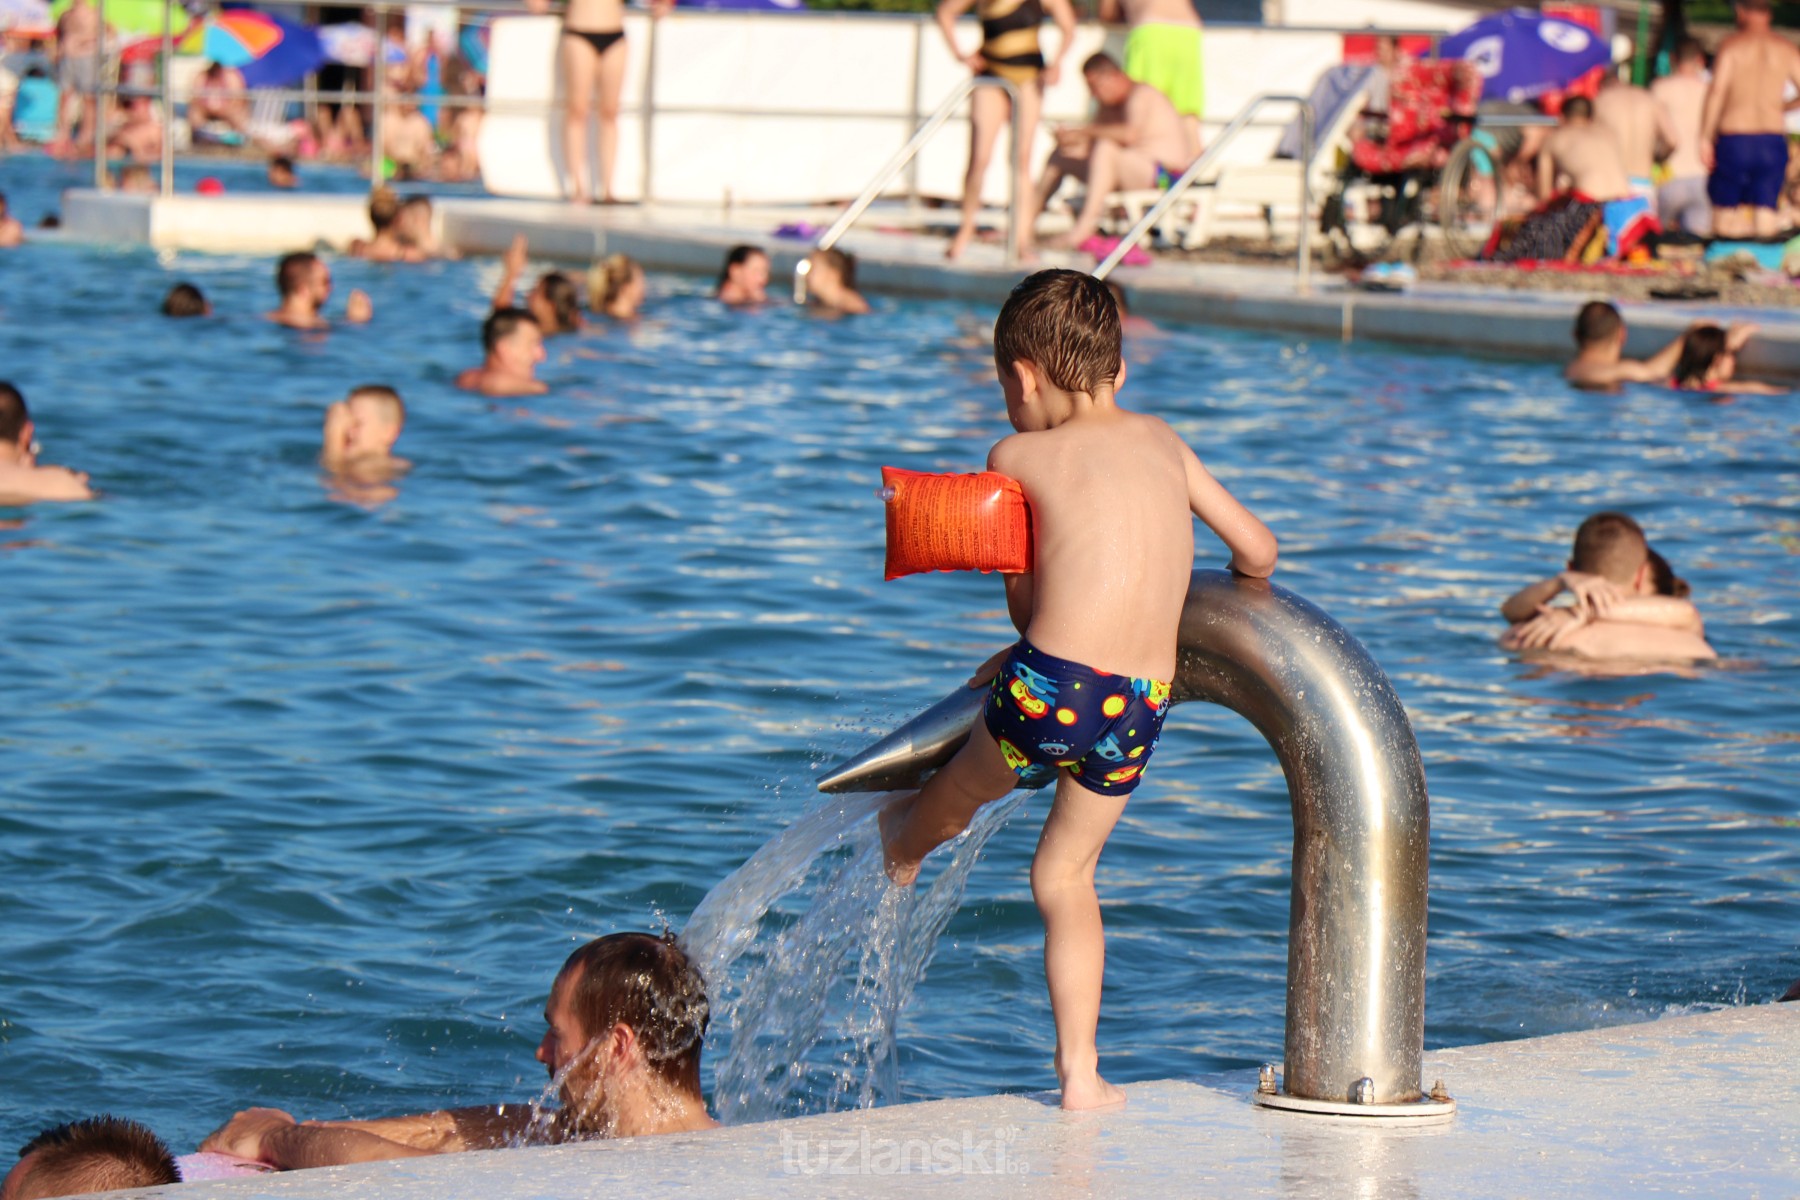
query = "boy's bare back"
{"x": 1114, "y": 541}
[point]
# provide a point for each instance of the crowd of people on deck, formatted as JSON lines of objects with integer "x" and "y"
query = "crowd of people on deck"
{"x": 47, "y": 96}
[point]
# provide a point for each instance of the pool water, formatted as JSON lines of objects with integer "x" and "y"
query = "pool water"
{"x": 305, "y": 800}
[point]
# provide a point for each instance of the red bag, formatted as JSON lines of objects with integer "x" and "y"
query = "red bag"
{"x": 955, "y": 523}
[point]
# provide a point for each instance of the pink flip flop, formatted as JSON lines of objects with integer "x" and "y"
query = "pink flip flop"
{"x": 1100, "y": 247}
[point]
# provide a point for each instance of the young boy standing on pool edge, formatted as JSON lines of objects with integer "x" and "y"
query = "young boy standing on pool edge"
{"x": 1112, "y": 496}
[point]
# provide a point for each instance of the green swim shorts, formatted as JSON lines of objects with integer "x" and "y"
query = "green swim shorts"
{"x": 1167, "y": 57}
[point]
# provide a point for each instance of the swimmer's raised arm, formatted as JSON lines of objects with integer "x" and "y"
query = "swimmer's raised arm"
{"x": 511, "y": 267}
{"x": 1253, "y": 547}
{"x": 445, "y": 1131}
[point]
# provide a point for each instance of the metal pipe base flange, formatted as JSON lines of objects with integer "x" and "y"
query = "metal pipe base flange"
{"x": 1436, "y": 1105}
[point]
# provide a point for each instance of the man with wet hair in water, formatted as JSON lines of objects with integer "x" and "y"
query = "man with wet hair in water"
{"x": 512, "y": 345}
{"x": 1618, "y": 611}
{"x": 99, "y": 1154}
{"x": 22, "y": 480}
{"x": 304, "y": 282}
{"x": 627, "y": 1020}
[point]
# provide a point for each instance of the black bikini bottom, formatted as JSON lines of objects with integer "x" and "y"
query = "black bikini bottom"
{"x": 599, "y": 41}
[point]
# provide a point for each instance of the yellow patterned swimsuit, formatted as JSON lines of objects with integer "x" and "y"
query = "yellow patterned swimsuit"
{"x": 1009, "y": 38}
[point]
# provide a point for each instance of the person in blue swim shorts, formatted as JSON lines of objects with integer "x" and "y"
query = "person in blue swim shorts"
{"x": 1743, "y": 130}
{"x": 1080, "y": 698}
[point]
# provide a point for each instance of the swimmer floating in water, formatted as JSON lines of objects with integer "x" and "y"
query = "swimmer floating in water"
{"x": 11, "y": 232}
{"x": 186, "y": 300}
{"x": 627, "y": 1019}
{"x": 358, "y": 444}
{"x": 1082, "y": 696}
{"x": 513, "y": 346}
{"x": 1708, "y": 362}
{"x": 1600, "y": 363}
{"x": 554, "y": 301}
{"x": 831, "y": 283}
{"x": 744, "y": 279}
{"x": 616, "y": 288}
{"x": 22, "y": 480}
{"x": 305, "y": 285}
{"x": 1625, "y": 607}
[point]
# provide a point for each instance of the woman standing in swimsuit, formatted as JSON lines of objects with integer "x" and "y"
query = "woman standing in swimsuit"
{"x": 592, "y": 53}
{"x": 1009, "y": 50}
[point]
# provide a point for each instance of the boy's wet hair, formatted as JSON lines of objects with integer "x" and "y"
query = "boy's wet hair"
{"x": 1690, "y": 49}
{"x": 184, "y": 300}
{"x": 501, "y": 324}
{"x": 1700, "y": 349}
{"x": 737, "y": 256}
{"x": 384, "y": 398}
{"x": 565, "y": 300}
{"x": 1065, "y": 324}
{"x": 1578, "y": 108}
{"x": 648, "y": 984}
{"x": 1100, "y": 61}
{"x": 99, "y": 1154}
{"x": 292, "y": 272}
{"x": 13, "y": 414}
{"x": 1611, "y": 545}
{"x": 1597, "y": 322}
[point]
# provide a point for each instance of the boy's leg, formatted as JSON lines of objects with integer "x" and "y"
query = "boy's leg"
{"x": 1062, "y": 883}
{"x": 911, "y": 829}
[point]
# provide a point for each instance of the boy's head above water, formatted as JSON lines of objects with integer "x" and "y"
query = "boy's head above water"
{"x": 1057, "y": 337}
{"x": 365, "y": 424}
{"x": 1612, "y": 546}
{"x": 100, "y": 1154}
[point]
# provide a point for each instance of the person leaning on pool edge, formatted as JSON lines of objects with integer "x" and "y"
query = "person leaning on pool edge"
{"x": 627, "y": 1019}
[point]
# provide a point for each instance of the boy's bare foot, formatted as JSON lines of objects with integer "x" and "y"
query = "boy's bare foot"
{"x": 901, "y": 872}
{"x": 1088, "y": 1091}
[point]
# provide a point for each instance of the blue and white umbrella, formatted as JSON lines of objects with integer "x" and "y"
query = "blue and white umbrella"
{"x": 1522, "y": 54}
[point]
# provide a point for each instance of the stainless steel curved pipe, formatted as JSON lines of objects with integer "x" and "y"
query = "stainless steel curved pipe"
{"x": 1356, "y": 927}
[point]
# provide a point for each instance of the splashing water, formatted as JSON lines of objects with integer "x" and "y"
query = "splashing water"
{"x": 804, "y": 1004}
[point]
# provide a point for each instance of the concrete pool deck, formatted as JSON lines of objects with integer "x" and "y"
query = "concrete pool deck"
{"x": 1460, "y": 317}
{"x": 1704, "y": 1105}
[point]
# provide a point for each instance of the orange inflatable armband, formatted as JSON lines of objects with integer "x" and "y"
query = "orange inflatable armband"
{"x": 955, "y": 523}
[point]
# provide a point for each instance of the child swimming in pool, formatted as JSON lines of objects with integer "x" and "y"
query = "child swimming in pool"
{"x": 360, "y": 432}
{"x": 22, "y": 480}
{"x": 1112, "y": 495}
{"x": 831, "y": 283}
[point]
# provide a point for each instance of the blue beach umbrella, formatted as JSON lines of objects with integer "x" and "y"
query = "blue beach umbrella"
{"x": 1522, "y": 54}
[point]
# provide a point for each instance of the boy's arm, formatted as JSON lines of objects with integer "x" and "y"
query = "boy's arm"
{"x": 1019, "y": 599}
{"x": 1253, "y": 548}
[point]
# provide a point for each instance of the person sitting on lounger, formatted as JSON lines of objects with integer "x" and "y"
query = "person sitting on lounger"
{"x": 1136, "y": 141}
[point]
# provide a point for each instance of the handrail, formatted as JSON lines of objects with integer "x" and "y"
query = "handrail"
{"x": 906, "y": 154}
{"x": 1199, "y": 165}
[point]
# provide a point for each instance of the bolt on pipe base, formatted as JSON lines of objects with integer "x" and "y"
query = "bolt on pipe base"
{"x": 1436, "y": 1105}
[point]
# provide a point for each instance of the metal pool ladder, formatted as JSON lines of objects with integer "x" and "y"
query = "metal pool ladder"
{"x": 1303, "y": 266}
{"x": 855, "y": 209}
